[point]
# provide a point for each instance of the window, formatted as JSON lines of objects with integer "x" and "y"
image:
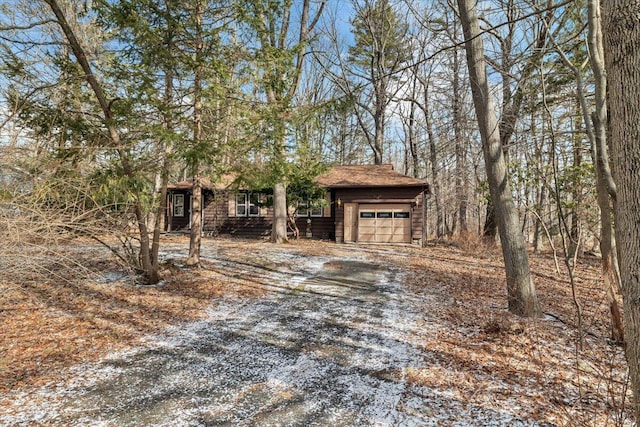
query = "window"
{"x": 304, "y": 210}
{"x": 241, "y": 204}
{"x": 385, "y": 215}
{"x": 316, "y": 211}
{"x": 254, "y": 204}
{"x": 178, "y": 205}
{"x": 247, "y": 204}
{"x": 367, "y": 215}
{"x": 401, "y": 215}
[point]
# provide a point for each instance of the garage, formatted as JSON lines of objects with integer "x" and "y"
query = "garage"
{"x": 384, "y": 223}
{"x": 376, "y": 204}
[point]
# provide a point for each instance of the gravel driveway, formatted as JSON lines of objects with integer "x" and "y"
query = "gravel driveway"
{"x": 328, "y": 344}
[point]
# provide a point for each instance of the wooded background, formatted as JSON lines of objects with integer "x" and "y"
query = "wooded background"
{"x": 499, "y": 105}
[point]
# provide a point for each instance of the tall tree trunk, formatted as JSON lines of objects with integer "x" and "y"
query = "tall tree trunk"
{"x": 279, "y": 230}
{"x": 274, "y": 34}
{"x": 599, "y": 118}
{"x": 460, "y": 147}
{"x": 378, "y": 141}
{"x": 195, "y": 236}
{"x": 522, "y": 298}
{"x": 537, "y": 231}
{"x": 541, "y": 189}
{"x": 490, "y": 229}
{"x": 621, "y": 29}
{"x": 166, "y": 145}
{"x": 512, "y": 101}
{"x": 609, "y": 260}
{"x": 599, "y": 151}
{"x": 605, "y": 185}
{"x": 576, "y": 195}
{"x": 433, "y": 159}
{"x": 148, "y": 265}
{"x": 411, "y": 128}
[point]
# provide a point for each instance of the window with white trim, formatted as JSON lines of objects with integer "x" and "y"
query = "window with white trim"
{"x": 254, "y": 204}
{"x": 241, "y": 204}
{"x": 248, "y": 204}
{"x": 178, "y": 205}
{"x": 316, "y": 211}
{"x": 304, "y": 210}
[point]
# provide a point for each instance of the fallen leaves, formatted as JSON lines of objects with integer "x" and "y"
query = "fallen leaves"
{"x": 548, "y": 376}
{"x": 53, "y": 324}
{"x": 475, "y": 350}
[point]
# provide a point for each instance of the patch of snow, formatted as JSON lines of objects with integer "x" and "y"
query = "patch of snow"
{"x": 113, "y": 277}
{"x": 325, "y": 347}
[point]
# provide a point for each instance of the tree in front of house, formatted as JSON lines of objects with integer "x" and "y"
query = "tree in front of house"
{"x": 278, "y": 49}
{"x": 114, "y": 140}
{"x": 303, "y": 193}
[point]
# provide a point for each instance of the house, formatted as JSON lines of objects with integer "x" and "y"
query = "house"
{"x": 225, "y": 209}
{"x": 364, "y": 203}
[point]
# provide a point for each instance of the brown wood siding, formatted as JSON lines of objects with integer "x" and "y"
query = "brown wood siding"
{"x": 217, "y": 219}
{"x": 377, "y": 193}
{"x": 215, "y": 212}
{"x": 321, "y": 227}
{"x": 246, "y": 227}
{"x": 339, "y": 223}
{"x": 417, "y": 221}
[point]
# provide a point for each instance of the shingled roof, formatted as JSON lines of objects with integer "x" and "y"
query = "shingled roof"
{"x": 367, "y": 176}
{"x": 336, "y": 177}
{"x": 224, "y": 182}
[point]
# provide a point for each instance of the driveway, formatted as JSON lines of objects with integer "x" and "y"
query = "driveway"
{"x": 328, "y": 344}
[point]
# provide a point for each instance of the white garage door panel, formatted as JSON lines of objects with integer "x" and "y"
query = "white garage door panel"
{"x": 384, "y": 223}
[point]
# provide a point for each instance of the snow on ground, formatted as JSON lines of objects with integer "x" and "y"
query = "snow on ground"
{"x": 327, "y": 345}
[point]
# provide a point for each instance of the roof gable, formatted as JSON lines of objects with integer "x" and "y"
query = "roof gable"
{"x": 367, "y": 176}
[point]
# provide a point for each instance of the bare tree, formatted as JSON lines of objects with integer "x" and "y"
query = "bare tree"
{"x": 600, "y": 151}
{"x": 512, "y": 99}
{"x": 369, "y": 76}
{"x": 521, "y": 291}
{"x": 596, "y": 134}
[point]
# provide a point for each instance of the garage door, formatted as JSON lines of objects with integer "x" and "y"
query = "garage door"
{"x": 384, "y": 223}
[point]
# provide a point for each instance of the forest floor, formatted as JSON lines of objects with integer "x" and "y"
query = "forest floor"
{"x": 310, "y": 333}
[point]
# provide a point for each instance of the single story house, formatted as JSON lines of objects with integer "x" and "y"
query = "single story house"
{"x": 364, "y": 203}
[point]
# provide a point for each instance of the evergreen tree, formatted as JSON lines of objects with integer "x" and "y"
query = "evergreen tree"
{"x": 278, "y": 57}
{"x": 379, "y": 53}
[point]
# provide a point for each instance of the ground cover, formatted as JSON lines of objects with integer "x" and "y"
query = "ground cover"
{"x": 421, "y": 332}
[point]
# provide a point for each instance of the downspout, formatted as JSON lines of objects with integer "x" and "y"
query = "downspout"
{"x": 169, "y": 211}
{"x": 424, "y": 217}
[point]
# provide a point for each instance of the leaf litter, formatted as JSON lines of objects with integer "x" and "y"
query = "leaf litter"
{"x": 311, "y": 333}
